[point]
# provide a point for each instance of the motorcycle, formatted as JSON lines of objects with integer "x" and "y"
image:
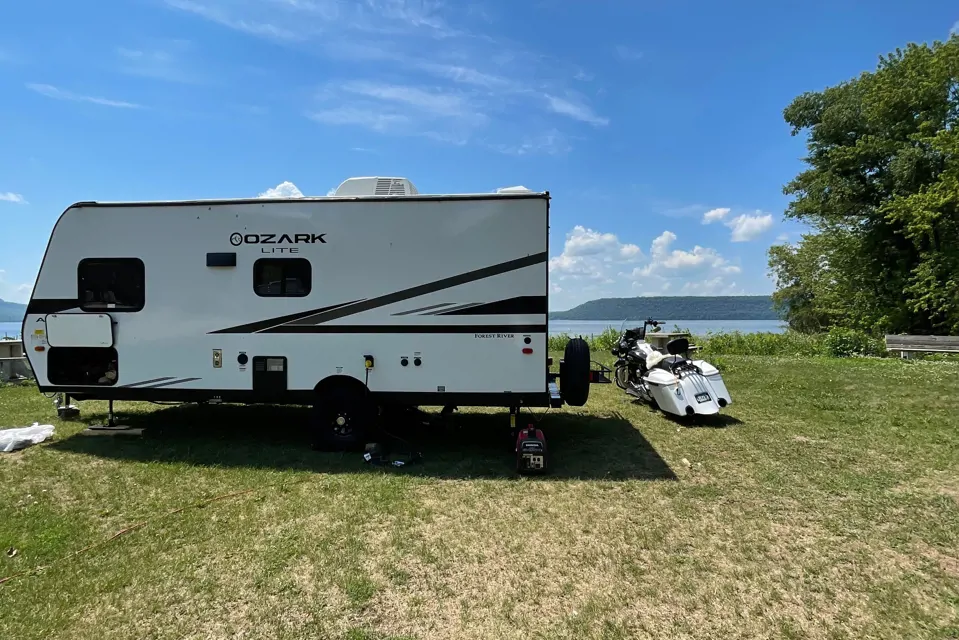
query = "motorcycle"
{"x": 670, "y": 381}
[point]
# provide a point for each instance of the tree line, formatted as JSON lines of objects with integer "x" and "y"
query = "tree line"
{"x": 880, "y": 194}
{"x": 673, "y": 308}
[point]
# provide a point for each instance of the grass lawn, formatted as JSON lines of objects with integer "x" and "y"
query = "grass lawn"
{"x": 825, "y": 505}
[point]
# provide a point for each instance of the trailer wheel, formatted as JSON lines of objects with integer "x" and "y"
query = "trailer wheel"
{"x": 343, "y": 414}
{"x": 574, "y": 381}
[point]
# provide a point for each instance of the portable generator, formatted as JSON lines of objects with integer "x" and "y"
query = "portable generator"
{"x": 531, "y": 451}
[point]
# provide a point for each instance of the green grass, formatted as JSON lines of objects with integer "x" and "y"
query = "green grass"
{"x": 825, "y": 504}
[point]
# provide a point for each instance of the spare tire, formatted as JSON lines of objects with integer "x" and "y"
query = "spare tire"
{"x": 574, "y": 377}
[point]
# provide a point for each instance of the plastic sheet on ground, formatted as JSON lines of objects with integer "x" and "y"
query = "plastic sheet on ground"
{"x": 23, "y": 437}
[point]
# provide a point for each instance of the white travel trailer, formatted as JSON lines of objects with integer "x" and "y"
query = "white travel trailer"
{"x": 375, "y": 295}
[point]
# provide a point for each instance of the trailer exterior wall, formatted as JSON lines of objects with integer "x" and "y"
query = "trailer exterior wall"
{"x": 387, "y": 276}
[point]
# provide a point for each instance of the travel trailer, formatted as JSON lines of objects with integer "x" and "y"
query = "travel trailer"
{"x": 375, "y": 295}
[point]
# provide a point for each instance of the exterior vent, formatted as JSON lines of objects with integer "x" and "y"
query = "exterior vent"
{"x": 375, "y": 186}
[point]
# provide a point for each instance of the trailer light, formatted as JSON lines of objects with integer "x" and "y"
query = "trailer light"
{"x": 527, "y": 350}
{"x": 369, "y": 361}
{"x": 39, "y": 348}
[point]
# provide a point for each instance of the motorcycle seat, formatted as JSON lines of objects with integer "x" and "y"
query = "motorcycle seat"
{"x": 668, "y": 362}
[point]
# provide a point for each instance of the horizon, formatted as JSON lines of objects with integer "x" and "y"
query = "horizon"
{"x": 658, "y": 132}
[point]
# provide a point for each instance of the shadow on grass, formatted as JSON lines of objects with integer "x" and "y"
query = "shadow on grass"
{"x": 717, "y": 421}
{"x": 469, "y": 445}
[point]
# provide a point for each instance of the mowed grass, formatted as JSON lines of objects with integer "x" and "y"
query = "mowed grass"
{"x": 824, "y": 505}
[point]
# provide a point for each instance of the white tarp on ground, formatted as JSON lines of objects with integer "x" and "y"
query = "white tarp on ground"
{"x": 22, "y": 437}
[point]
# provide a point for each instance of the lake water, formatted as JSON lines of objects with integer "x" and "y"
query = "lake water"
{"x": 11, "y": 329}
{"x": 697, "y": 327}
{"x": 592, "y": 327}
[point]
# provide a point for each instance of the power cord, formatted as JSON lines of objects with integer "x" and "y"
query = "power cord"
{"x": 376, "y": 454}
{"x": 541, "y": 415}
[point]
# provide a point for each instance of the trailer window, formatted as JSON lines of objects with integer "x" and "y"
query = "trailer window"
{"x": 115, "y": 284}
{"x": 282, "y": 277}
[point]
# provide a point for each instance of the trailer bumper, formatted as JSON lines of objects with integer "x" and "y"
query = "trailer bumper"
{"x": 555, "y": 399}
{"x": 600, "y": 375}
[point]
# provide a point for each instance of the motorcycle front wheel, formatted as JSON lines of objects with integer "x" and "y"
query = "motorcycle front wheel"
{"x": 621, "y": 376}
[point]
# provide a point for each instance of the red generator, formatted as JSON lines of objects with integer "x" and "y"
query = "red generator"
{"x": 531, "y": 451}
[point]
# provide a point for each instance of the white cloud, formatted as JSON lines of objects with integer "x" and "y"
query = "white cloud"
{"x": 598, "y": 264}
{"x": 15, "y": 198}
{"x": 576, "y": 110}
{"x": 509, "y": 99}
{"x": 253, "y": 27}
{"x": 368, "y": 118}
{"x": 746, "y": 227}
{"x": 593, "y": 255}
{"x": 550, "y": 143}
{"x": 667, "y": 262}
{"x": 11, "y": 292}
{"x": 283, "y": 190}
{"x": 467, "y": 75}
{"x": 628, "y": 53}
{"x": 159, "y": 64}
{"x": 587, "y": 242}
{"x": 711, "y": 287}
{"x": 955, "y": 29}
{"x": 60, "y": 94}
{"x": 449, "y": 116}
{"x": 715, "y": 214}
{"x": 583, "y": 76}
{"x": 433, "y": 103}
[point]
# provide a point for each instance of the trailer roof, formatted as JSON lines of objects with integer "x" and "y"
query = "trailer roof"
{"x": 213, "y": 201}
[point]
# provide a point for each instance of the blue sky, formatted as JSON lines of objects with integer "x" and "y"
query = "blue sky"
{"x": 656, "y": 126}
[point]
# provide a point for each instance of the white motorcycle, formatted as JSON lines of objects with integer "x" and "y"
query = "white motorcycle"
{"x": 670, "y": 381}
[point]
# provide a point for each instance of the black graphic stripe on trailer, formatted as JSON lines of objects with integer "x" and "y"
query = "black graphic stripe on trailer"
{"x": 421, "y": 309}
{"x": 262, "y": 325}
{"x": 43, "y": 306}
{"x": 144, "y": 382}
{"x": 169, "y": 382}
{"x": 318, "y": 316}
{"x": 517, "y": 329}
{"x": 522, "y": 305}
{"x": 423, "y": 289}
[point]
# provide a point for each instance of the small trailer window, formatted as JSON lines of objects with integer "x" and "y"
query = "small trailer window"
{"x": 114, "y": 284}
{"x": 282, "y": 277}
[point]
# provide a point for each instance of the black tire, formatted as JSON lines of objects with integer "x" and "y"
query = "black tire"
{"x": 621, "y": 376}
{"x": 346, "y": 403}
{"x": 574, "y": 383}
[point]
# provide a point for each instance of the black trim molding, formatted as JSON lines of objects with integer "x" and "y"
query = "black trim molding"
{"x": 423, "y": 399}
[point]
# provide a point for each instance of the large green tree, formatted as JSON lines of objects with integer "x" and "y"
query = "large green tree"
{"x": 881, "y": 194}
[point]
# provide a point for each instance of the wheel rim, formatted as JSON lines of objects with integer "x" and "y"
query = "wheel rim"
{"x": 342, "y": 424}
